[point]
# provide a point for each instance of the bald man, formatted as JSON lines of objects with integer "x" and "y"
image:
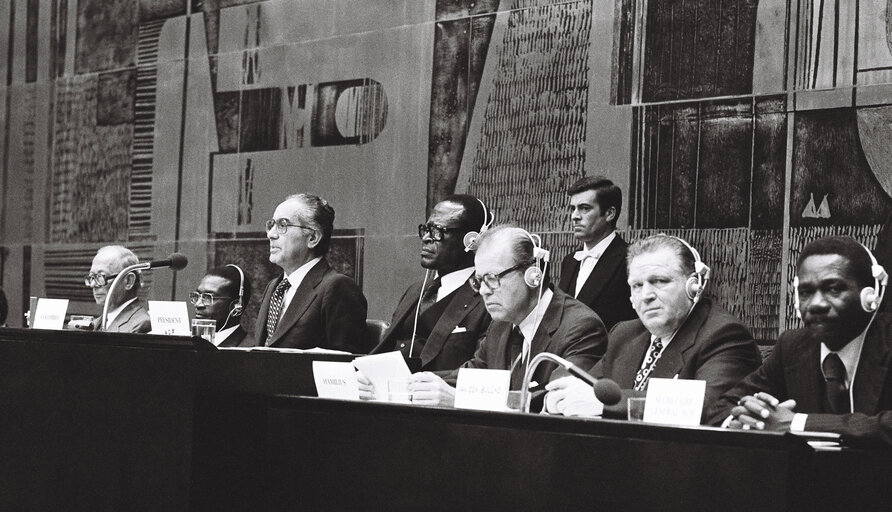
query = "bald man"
{"x": 126, "y": 312}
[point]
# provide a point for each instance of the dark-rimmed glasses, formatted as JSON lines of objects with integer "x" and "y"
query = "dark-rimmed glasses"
{"x": 493, "y": 281}
{"x": 435, "y": 231}
{"x": 205, "y": 298}
{"x": 98, "y": 279}
{"x": 282, "y": 226}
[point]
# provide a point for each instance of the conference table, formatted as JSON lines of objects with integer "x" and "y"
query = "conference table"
{"x": 100, "y": 421}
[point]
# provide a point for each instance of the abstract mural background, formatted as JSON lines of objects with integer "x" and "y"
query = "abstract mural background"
{"x": 747, "y": 127}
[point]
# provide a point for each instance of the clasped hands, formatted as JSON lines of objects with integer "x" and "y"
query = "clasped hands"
{"x": 425, "y": 387}
{"x": 762, "y": 412}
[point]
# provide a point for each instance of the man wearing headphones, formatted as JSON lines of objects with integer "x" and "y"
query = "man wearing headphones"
{"x": 222, "y": 295}
{"x": 449, "y": 318}
{"x": 509, "y": 268}
{"x": 678, "y": 334}
{"x": 833, "y": 375}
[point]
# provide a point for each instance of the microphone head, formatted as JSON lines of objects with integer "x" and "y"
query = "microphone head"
{"x": 178, "y": 261}
{"x": 608, "y": 392}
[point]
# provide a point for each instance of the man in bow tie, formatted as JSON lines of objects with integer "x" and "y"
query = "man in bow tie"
{"x": 596, "y": 274}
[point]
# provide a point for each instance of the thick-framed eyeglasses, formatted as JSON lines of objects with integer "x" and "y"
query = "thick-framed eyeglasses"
{"x": 282, "y": 226}
{"x": 493, "y": 281}
{"x": 205, "y": 298}
{"x": 98, "y": 279}
{"x": 436, "y": 231}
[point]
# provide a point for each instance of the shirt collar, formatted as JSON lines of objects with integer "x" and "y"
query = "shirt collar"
{"x": 296, "y": 277}
{"x": 598, "y": 250}
{"x": 529, "y": 325}
{"x": 221, "y": 336}
{"x": 849, "y": 354}
{"x": 453, "y": 281}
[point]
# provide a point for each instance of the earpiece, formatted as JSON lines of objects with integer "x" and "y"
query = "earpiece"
{"x": 533, "y": 275}
{"x": 696, "y": 284}
{"x": 239, "y": 307}
{"x": 471, "y": 237}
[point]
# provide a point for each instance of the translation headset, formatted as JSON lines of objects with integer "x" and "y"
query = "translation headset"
{"x": 533, "y": 275}
{"x": 695, "y": 284}
{"x": 871, "y": 296}
{"x": 238, "y": 307}
{"x": 471, "y": 237}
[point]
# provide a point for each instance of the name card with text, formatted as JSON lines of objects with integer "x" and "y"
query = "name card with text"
{"x": 169, "y": 317}
{"x": 335, "y": 380}
{"x": 485, "y": 390}
{"x": 674, "y": 401}
{"x": 50, "y": 314}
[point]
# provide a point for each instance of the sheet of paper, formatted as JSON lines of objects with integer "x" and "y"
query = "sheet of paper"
{"x": 674, "y": 401}
{"x": 379, "y": 368}
{"x": 169, "y": 317}
{"x": 484, "y": 390}
{"x": 50, "y": 314}
{"x": 335, "y": 380}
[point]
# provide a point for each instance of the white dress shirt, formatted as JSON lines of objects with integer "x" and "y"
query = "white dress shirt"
{"x": 453, "y": 281}
{"x": 221, "y": 336}
{"x": 295, "y": 278}
{"x": 591, "y": 257}
{"x": 529, "y": 325}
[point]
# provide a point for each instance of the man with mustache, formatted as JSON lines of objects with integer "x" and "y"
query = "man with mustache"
{"x": 126, "y": 312}
{"x": 835, "y": 374}
{"x": 596, "y": 274}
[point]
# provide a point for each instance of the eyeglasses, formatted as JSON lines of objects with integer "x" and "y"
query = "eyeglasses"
{"x": 98, "y": 279}
{"x": 435, "y": 231}
{"x": 493, "y": 281}
{"x": 282, "y": 225}
{"x": 205, "y": 298}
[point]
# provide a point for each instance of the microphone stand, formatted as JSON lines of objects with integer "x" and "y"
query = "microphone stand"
{"x": 528, "y": 374}
{"x": 111, "y": 289}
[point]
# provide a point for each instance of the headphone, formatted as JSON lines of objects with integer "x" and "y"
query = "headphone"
{"x": 871, "y": 296}
{"x": 695, "y": 284}
{"x": 471, "y": 237}
{"x": 533, "y": 275}
{"x": 238, "y": 308}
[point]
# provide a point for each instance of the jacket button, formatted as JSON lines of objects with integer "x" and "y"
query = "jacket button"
{"x": 402, "y": 345}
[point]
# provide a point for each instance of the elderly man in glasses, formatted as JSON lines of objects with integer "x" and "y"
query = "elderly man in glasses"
{"x": 221, "y": 296}
{"x": 126, "y": 312}
{"x": 554, "y": 322}
{"x": 310, "y": 304}
{"x": 445, "y": 314}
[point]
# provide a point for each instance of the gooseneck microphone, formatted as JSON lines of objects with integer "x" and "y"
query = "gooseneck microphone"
{"x": 606, "y": 390}
{"x": 175, "y": 261}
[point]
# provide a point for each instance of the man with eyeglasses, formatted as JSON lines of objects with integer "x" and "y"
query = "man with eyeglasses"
{"x": 126, "y": 312}
{"x": 555, "y": 323}
{"x": 449, "y": 318}
{"x": 310, "y": 305}
{"x": 217, "y": 298}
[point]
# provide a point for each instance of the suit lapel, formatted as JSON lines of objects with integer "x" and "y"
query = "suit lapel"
{"x": 403, "y": 310}
{"x": 449, "y": 320}
{"x": 497, "y": 337}
{"x": 872, "y": 370}
{"x": 569, "y": 271}
{"x": 303, "y": 297}
{"x": 124, "y": 316}
{"x": 804, "y": 379}
{"x": 627, "y": 364}
{"x": 672, "y": 360}
{"x": 605, "y": 268}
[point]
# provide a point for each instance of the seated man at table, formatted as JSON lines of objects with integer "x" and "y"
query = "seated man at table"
{"x": 833, "y": 375}
{"x": 509, "y": 278}
{"x": 126, "y": 312}
{"x": 222, "y": 296}
{"x": 678, "y": 334}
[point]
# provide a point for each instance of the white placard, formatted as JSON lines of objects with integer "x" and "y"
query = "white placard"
{"x": 674, "y": 401}
{"x": 50, "y": 314}
{"x": 379, "y": 368}
{"x": 335, "y": 380}
{"x": 169, "y": 317}
{"x": 485, "y": 390}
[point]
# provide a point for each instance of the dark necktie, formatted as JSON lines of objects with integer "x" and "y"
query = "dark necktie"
{"x": 835, "y": 379}
{"x": 429, "y": 298}
{"x": 515, "y": 345}
{"x": 650, "y": 360}
{"x": 275, "y": 308}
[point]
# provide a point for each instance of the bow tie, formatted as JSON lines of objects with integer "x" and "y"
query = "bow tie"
{"x": 582, "y": 255}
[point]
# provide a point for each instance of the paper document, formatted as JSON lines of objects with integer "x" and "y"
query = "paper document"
{"x": 380, "y": 368}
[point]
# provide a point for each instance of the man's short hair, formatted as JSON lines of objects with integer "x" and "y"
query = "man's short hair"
{"x": 517, "y": 238}
{"x": 321, "y": 217}
{"x": 606, "y": 193}
{"x": 232, "y": 275}
{"x": 473, "y": 215}
{"x": 848, "y": 248}
{"x": 4, "y": 307}
{"x": 659, "y": 242}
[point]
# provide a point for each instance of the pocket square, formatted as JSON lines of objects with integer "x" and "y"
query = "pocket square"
{"x": 459, "y": 329}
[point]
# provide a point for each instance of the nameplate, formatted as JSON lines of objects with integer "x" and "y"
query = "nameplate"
{"x": 50, "y": 314}
{"x": 674, "y": 401}
{"x": 484, "y": 390}
{"x": 169, "y": 317}
{"x": 381, "y": 368}
{"x": 335, "y": 380}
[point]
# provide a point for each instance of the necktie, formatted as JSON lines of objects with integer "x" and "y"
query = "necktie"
{"x": 835, "y": 378}
{"x": 588, "y": 259}
{"x": 275, "y": 308}
{"x": 429, "y": 297}
{"x": 650, "y": 360}
{"x": 515, "y": 345}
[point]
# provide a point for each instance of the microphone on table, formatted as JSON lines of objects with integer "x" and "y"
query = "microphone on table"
{"x": 175, "y": 261}
{"x": 606, "y": 390}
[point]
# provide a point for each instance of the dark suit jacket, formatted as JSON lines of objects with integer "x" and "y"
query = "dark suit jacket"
{"x": 711, "y": 345}
{"x": 793, "y": 370}
{"x": 133, "y": 318}
{"x": 328, "y": 310}
{"x": 606, "y": 290}
{"x": 568, "y": 329}
{"x": 442, "y": 350}
{"x": 236, "y": 338}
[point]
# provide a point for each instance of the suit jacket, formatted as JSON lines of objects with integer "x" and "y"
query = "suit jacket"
{"x": 133, "y": 318}
{"x": 793, "y": 370}
{"x": 236, "y": 338}
{"x": 606, "y": 290}
{"x": 568, "y": 329}
{"x": 443, "y": 349}
{"x": 711, "y": 345}
{"x": 328, "y": 310}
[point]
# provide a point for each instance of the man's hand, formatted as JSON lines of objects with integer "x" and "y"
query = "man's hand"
{"x": 762, "y": 412}
{"x": 366, "y": 388}
{"x": 572, "y": 397}
{"x": 428, "y": 389}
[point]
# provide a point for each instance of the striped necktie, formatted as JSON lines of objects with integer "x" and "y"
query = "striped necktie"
{"x": 275, "y": 308}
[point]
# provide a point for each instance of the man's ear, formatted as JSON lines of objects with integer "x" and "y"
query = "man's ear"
{"x": 129, "y": 281}
{"x": 314, "y": 239}
{"x": 610, "y": 214}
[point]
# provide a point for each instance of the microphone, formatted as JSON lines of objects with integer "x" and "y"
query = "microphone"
{"x": 606, "y": 390}
{"x": 175, "y": 261}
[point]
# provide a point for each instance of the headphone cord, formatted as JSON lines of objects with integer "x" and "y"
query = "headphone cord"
{"x": 418, "y": 310}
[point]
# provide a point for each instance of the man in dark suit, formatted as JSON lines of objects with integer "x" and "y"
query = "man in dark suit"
{"x": 677, "y": 334}
{"x": 449, "y": 318}
{"x": 126, "y": 312}
{"x": 836, "y": 372}
{"x": 596, "y": 274}
{"x": 221, "y": 296}
{"x": 310, "y": 305}
{"x": 508, "y": 276}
